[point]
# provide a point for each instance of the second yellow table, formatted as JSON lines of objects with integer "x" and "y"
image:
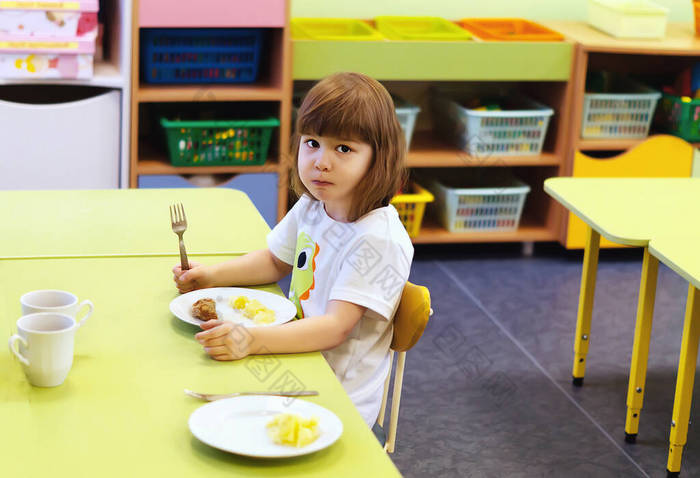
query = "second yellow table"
{"x": 126, "y": 222}
{"x": 628, "y": 211}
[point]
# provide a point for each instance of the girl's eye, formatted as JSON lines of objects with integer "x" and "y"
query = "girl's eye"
{"x": 343, "y": 149}
{"x": 311, "y": 143}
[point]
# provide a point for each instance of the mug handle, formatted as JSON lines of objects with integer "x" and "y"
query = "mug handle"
{"x": 14, "y": 350}
{"x": 89, "y": 312}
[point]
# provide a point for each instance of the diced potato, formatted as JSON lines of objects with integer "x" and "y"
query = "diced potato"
{"x": 293, "y": 430}
{"x": 239, "y": 302}
{"x": 253, "y": 309}
{"x": 266, "y": 316}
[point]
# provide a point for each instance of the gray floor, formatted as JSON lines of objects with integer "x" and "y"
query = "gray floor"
{"x": 487, "y": 391}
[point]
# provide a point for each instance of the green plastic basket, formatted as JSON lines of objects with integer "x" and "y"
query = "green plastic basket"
{"x": 680, "y": 118}
{"x": 219, "y": 143}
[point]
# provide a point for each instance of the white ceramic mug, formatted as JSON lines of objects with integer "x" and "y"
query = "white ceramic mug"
{"x": 56, "y": 301}
{"x": 45, "y": 346}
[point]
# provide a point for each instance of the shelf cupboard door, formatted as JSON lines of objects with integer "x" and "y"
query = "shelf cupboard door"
{"x": 68, "y": 145}
{"x": 212, "y": 14}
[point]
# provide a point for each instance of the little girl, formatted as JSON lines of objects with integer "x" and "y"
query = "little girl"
{"x": 343, "y": 242}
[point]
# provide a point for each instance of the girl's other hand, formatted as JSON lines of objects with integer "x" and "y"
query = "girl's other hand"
{"x": 195, "y": 278}
{"x": 224, "y": 340}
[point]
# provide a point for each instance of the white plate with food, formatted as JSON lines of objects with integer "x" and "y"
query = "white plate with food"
{"x": 248, "y": 307}
{"x": 265, "y": 426}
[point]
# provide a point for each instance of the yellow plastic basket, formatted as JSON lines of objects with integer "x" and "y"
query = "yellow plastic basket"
{"x": 345, "y": 29}
{"x": 420, "y": 28}
{"x": 411, "y": 208}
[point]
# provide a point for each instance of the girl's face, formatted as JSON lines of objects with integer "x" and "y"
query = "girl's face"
{"x": 331, "y": 168}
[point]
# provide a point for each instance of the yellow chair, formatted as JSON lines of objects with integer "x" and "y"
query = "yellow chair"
{"x": 409, "y": 323}
{"x": 661, "y": 156}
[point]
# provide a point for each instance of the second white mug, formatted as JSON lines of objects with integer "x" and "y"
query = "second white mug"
{"x": 55, "y": 301}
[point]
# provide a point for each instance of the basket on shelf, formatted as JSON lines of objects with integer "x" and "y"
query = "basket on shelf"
{"x": 509, "y": 29}
{"x": 517, "y": 128}
{"x": 406, "y": 113}
{"x": 680, "y": 118}
{"x": 617, "y": 107}
{"x": 420, "y": 28}
{"x": 218, "y": 143}
{"x": 201, "y": 55}
{"x": 411, "y": 207}
{"x": 345, "y": 29}
{"x": 479, "y": 204}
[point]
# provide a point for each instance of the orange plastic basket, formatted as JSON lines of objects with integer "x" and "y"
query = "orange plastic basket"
{"x": 509, "y": 29}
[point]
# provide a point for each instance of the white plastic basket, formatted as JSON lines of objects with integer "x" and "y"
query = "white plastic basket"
{"x": 628, "y": 18}
{"x": 517, "y": 131}
{"x": 406, "y": 114}
{"x": 476, "y": 209}
{"x": 619, "y": 115}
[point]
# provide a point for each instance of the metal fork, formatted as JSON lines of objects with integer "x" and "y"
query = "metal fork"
{"x": 210, "y": 397}
{"x": 179, "y": 223}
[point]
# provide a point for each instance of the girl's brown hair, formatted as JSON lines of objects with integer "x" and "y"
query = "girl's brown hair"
{"x": 355, "y": 107}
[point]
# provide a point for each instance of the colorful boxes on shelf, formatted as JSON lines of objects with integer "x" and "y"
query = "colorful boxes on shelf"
{"x": 47, "y": 39}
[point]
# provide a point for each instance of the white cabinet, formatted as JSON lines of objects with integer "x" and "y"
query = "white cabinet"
{"x": 65, "y": 145}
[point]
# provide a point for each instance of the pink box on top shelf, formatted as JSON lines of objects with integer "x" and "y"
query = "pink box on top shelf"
{"x": 47, "y": 39}
{"x": 212, "y": 13}
{"x": 52, "y": 19}
{"x": 46, "y": 57}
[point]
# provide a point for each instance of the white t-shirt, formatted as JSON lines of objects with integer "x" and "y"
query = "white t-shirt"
{"x": 366, "y": 262}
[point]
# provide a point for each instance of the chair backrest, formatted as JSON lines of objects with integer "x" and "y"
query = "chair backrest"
{"x": 411, "y": 317}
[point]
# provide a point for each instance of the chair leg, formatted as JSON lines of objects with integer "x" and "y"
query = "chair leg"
{"x": 395, "y": 402}
{"x": 382, "y": 409}
{"x": 585, "y": 304}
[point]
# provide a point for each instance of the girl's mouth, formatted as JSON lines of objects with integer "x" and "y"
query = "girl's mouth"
{"x": 321, "y": 183}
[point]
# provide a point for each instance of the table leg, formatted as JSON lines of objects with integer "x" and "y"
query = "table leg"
{"x": 684, "y": 381}
{"x": 585, "y": 304}
{"x": 640, "y": 348}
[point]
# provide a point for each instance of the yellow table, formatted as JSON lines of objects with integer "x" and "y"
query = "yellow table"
{"x": 122, "y": 411}
{"x": 628, "y": 211}
{"x": 681, "y": 255}
{"x": 126, "y": 223}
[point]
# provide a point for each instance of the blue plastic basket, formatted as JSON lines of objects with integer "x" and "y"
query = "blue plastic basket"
{"x": 201, "y": 55}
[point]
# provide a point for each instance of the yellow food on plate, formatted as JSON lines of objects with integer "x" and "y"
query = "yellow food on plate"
{"x": 253, "y": 309}
{"x": 239, "y": 302}
{"x": 264, "y": 317}
{"x": 293, "y": 430}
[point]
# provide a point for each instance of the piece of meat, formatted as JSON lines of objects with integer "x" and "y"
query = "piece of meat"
{"x": 205, "y": 309}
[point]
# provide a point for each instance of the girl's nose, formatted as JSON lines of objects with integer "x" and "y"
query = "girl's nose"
{"x": 323, "y": 162}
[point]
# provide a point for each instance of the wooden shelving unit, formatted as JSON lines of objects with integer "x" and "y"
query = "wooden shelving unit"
{"x": 595, "y": 51}
{"x": 274, "y": 87}
{"x": 538, "y": 69}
